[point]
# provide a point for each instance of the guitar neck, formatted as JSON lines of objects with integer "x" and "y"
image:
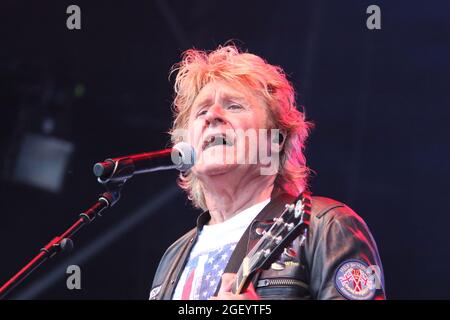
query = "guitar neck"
{"x": 243, "y": 278}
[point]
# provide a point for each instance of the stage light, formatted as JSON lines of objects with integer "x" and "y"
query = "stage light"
{"x": 42, "y": 161}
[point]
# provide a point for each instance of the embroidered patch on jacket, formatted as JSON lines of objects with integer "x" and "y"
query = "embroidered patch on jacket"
{"x": 353, "y": 281}
{"x": 154, "y": 292}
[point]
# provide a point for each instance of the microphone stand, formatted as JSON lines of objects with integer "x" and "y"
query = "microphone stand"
{"x": 64, "y": 241}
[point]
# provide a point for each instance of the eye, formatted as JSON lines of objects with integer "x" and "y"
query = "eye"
{"x": 202, "y": 112}
{"x": 235, "y": 106}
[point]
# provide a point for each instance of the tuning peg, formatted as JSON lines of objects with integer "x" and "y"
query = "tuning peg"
{"x": 260, "y": 231}
{"x": 289, "y": 226}
{"x": 299, "y": 206}
{"x": 278, "y": 220}
{"x": 290, "y": 207}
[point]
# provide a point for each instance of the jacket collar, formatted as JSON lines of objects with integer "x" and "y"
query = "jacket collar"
{"x": 270, "y": 211}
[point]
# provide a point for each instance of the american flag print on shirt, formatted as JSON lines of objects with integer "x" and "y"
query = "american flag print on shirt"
{"x": 203, "y": 272}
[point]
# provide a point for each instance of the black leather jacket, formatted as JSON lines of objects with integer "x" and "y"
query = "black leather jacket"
{"x": 331, "y": 264}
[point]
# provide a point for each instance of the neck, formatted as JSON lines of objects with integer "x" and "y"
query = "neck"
{"x": 226, "y": 196}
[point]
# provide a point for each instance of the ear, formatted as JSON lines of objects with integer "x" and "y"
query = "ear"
{"x": 283, "y": 136}
{"x": 278, "y": 141}
{"x": 280, "y": 138}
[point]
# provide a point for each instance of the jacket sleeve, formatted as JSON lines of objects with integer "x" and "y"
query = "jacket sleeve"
{"x": 342, "y": 257}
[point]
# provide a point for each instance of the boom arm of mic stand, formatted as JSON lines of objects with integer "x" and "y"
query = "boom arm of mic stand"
{"x": 64, "y": 241}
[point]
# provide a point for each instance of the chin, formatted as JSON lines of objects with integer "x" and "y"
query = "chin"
{"x": 213, "y": 169}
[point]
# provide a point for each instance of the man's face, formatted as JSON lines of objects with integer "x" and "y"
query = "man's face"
{"x": 219, "y": 115}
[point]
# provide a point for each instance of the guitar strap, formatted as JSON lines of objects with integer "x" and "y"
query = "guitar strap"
{"x": 273, "y": 209}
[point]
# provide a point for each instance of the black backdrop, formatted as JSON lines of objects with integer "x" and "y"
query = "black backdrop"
{"x": 379, "y": 99}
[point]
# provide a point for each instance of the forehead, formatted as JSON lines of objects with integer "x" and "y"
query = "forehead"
{"x": 223, "y": 90}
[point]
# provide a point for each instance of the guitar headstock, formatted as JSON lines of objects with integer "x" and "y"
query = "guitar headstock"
{"x": 292, "y": 223}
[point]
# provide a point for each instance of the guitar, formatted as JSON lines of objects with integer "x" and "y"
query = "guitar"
{"x": 292, "y": 223}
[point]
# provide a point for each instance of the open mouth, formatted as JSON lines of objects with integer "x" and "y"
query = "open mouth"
{"x": 216, "y": 140}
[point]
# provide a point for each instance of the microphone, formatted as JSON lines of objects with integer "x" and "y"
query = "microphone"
{"x": 181, "y": 157}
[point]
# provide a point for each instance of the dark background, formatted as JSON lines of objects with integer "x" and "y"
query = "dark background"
{"x": 379, "y": 99}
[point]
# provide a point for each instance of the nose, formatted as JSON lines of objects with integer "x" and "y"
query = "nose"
{"x": 214, "y": 116}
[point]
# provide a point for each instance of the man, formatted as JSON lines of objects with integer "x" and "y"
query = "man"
{"x": 238, "y": 112}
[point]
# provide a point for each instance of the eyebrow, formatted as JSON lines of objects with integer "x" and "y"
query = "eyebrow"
{"x": 202, "y": 102}
{"x": 226, "y": 96}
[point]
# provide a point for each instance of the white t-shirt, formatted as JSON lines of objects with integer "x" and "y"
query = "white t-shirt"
{"x": 211, "y": 253}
